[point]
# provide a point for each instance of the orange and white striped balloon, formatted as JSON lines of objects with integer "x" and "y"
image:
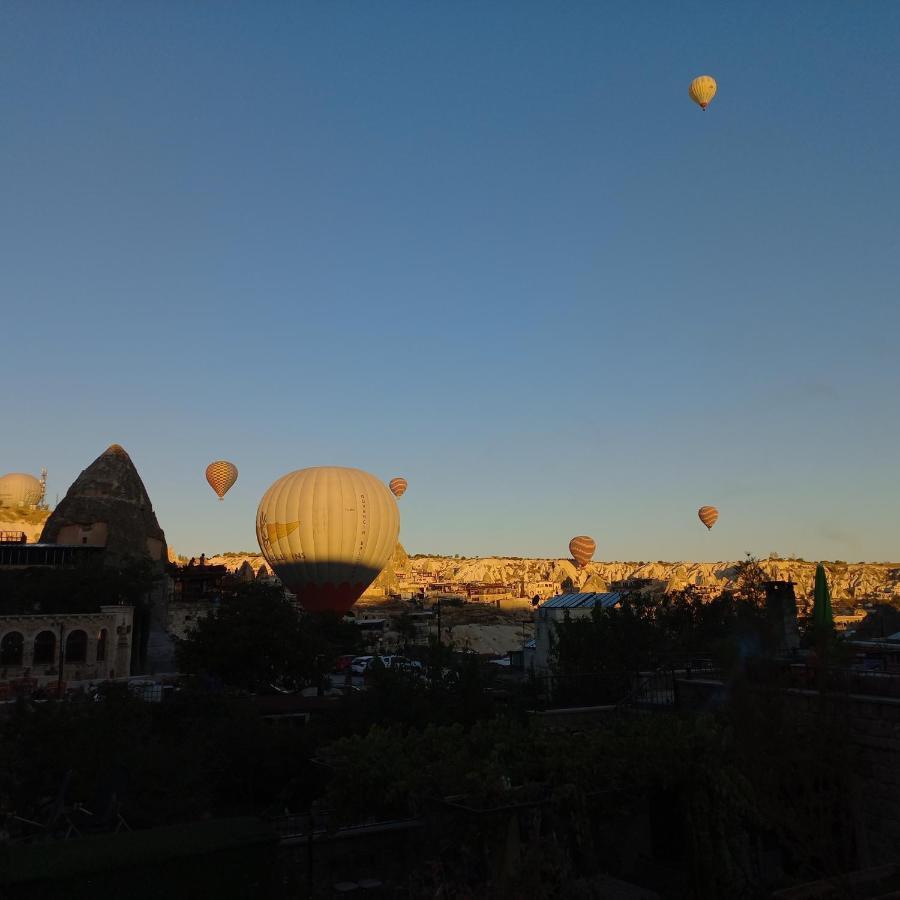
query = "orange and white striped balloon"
{"x": 398, "y": 486}
{"x": 221, "y": 476}
{"x": 582, "y": 549}
{"x": 709, "y": 515}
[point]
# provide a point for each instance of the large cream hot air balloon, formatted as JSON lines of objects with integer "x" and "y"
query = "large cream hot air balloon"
{"x": 398, "y": 486}
{"x": 221, "y": 476}
{"x": 582, "y": 549}
{"x": 327, "y": 532}
{"x": 709, "y": 515}
{"x": 702, "y": 90}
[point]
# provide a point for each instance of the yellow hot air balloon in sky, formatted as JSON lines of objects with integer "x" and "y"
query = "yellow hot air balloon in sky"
{"x": 221, "y": 476}
{"x": 702, "y": 90}
{"x": 582, "y": 549}
{"x": 398, "y": 486}
{"x": 709, "y": 515}
{"x": 327, "y": 532}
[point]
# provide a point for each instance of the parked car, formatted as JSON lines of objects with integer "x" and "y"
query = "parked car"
{"x": 394, "y": 662}
{"x": 344, "y": 662}
{"x": 361, "y": 664}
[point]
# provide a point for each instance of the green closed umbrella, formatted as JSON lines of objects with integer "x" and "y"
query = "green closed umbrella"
{"x": 822, "y": 615}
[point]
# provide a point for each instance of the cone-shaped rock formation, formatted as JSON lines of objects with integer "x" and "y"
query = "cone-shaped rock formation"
{"x": 108, "y": 506}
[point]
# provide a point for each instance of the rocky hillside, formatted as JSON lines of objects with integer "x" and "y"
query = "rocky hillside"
{"x": 850, "y": 582}
{"x": 31, "y": 521}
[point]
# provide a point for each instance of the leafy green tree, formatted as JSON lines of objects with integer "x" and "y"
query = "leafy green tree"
{"x": 451, "y": 687}
{"x": 256, "y": 639}
{"x": 192, "y": 756}
{"x": 84, "y": 588}
{"x": 880, "y": 622}
{"x": 749, "y": 581}
{"x": 405, "y": 625}
{"x": 622, "y": 638}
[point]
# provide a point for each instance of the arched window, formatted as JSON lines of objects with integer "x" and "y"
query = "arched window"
{"x": 45, "y": 648}
{"x": 11, "y": 649}
{"x": 101, "y": 645}
{"x": 76, "y": 647}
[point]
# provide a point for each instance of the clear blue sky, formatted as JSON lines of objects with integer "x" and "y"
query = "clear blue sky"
{"x": 492, "y": 247}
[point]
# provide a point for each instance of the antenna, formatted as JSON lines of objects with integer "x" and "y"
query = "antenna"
{"x": 40, "y": 502}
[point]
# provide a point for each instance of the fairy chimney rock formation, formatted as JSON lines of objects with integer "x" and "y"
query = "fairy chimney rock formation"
{"x": 108, "y": 506}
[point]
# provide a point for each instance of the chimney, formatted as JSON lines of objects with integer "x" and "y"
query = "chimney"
{"x": 781, "y": 607}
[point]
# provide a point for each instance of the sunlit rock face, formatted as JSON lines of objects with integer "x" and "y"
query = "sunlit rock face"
{"x": 108, "y": 506}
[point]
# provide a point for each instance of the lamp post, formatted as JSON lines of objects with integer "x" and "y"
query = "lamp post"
{"x": 62, "y": 659}
{"x": 438, "y": 605}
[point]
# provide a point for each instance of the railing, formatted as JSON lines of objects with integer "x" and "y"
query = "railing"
{"x": 653, "y": 690}
{"x": 831, "y": 679}
{"x": 621, "y": 689}
{"x": 561, "y": 691}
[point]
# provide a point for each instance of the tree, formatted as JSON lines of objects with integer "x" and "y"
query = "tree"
{"x": 85, "y": 588}
{"x": 749, "y": 581}
{"x": 405, "y": 626}
{"x": 257, "y": 639}
{"x": 880, "y": 622}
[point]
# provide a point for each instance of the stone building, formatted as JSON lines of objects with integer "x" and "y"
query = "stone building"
{"x": 197, "y": 589}
{"x": 95, "y": 647}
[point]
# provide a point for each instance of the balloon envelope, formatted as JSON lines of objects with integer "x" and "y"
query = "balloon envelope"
{"x": 702, "y": 90}
{"x": 398, "y": 486}
{"x": 327, "y": 532}
{"x": 19, "y": 489}
{"x": 708, "y": 515}
{"x": 221, "y": 476}
{"x": 582, "y": 549}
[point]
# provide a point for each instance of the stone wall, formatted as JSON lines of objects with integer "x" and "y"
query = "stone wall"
{"x": 115, "y": 661}
{"x": 182, "y": 617}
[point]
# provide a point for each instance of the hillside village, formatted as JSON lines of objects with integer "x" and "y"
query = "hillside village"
{"x": 28, "y": 521}
{"x": 508, "y": 578}
{"x": 496, "y": 578}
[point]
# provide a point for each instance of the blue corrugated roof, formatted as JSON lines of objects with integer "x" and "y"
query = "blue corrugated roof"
{"x": 582, "y": 601}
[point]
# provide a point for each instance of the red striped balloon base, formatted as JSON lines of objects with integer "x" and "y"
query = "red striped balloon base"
{"x": 328, "y": 597}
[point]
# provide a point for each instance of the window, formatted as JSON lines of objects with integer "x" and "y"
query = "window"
{"x": 45, "y": 648}
{"x": 101, "y": 645}
{"x": 11, "y": 648}
{"x": 76, "y": 647}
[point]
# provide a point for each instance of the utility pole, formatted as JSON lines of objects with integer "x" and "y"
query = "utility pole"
{"x": 62, "y": 659}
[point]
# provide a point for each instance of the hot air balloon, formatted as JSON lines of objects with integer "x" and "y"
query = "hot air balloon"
{"x": 398, "y": 486}
{"x": 708, "y": 515}
{"x": 18, "y": 489}
{"x": 327, "y": 532}
{"x": 221, "y": 476}
{"x": 702, "y": 90}
{"x": 582, "y": 549}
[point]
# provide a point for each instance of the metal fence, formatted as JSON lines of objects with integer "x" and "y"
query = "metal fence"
{"x": 623, "y": 689}
{"x": 831, "y": 679}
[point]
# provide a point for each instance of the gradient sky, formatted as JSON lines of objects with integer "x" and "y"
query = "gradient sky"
{"x": 492, "y": 247}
